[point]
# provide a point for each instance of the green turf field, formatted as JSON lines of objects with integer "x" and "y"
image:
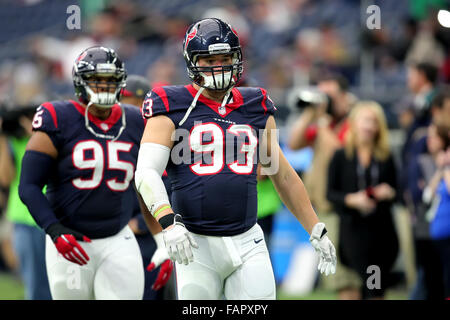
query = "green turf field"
{"x": 327, "y": 295}
{"x": 11, "y": 288}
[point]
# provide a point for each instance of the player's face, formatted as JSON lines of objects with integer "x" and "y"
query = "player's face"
{"x": 102, "y": 84}
{"x": 215, "y": 60}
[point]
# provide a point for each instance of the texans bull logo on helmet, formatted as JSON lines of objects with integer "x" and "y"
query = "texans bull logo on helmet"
{"x": 191, "y": 36}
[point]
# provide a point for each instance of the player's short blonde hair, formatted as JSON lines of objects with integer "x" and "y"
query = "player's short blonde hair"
{"x": 381, "y": 149}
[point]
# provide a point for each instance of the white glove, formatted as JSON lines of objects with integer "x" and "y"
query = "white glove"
{"x": 160, "y": 254}
{"x": 324, "y": 247}
{"x": 178, "y": 242}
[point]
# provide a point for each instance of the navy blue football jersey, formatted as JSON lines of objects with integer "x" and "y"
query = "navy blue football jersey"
{"x": 90, "y": 188}
{"x": 213, "y": 162}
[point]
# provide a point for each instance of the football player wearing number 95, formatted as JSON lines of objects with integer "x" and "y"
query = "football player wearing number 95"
{"x": 210, "y": 227}
{"x": 86, "y": 152}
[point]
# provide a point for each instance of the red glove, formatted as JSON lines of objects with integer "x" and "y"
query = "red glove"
{"x": 164, "y": 273}
{"x": 66, "y": 243}
{"x": 160, "y": 258}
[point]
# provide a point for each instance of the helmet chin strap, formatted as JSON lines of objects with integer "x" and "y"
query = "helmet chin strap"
{"x": 100, "y": 135}
{"x": 192, "y": 106}
{"x": 225, "y": 98}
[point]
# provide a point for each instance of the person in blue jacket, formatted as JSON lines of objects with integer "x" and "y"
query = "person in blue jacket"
{"x": 438, "y": 190}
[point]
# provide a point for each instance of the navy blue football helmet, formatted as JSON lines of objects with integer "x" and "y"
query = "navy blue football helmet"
{"x": 93, "y": 64}
{"x": 209, "y": 37}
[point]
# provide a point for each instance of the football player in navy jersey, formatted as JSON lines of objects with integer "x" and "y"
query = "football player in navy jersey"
{"x": 212, "y": 135}
{"x": 85, "y": 152}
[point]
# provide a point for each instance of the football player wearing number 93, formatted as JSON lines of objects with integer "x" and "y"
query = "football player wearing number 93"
{"x": 85, "y": 152}
{"x": 210, "y": 227}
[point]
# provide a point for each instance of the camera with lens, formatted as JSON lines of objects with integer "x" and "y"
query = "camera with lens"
{"x": 303, "y": 97}
{"x": 10, "y": 116}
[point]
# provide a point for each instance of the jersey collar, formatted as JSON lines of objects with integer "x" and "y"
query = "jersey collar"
{"x": 104, "y": 125}
{"x": 238, "y": 101}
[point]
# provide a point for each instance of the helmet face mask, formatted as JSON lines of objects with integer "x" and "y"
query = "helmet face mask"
{"x": 99, "y": 77}
{"x": 210, "y": 37}
{"x": 216, "y": 77}
{"x": 102, "y": 91}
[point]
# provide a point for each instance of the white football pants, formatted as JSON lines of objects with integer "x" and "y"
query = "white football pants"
{"x": 234, "y": 268}
{"x": 114, "y": 270}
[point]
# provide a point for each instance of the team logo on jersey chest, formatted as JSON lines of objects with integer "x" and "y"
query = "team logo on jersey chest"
{"x": 222, "y": 110}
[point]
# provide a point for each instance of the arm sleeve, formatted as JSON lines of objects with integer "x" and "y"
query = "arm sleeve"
{"x": 32, "y": 181}
{"x": 151, "y": 163}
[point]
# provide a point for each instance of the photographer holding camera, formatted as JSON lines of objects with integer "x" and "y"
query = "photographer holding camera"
{"x": 324, "y": 113}
{"x": 322, "y": 125}
{"x": 27, "y": 239}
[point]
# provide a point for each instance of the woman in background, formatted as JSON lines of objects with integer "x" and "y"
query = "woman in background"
{"x": 361, "y": 187}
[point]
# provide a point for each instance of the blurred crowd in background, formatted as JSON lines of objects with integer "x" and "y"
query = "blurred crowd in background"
{"x": 399, "y": 73}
